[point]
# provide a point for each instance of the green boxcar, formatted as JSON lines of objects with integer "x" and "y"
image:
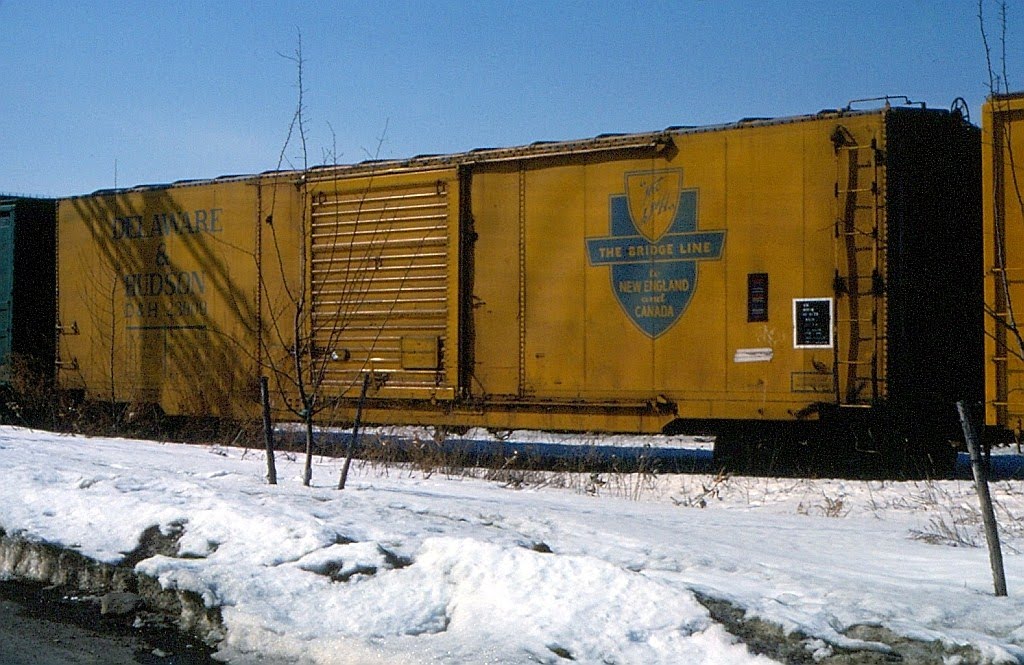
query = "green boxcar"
{"x": 27, "y": 285}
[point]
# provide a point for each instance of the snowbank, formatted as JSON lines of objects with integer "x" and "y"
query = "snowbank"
{"x": 406, "y": 566}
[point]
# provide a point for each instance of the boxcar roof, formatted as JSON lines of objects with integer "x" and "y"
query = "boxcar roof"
{"x": 480, "y": 156}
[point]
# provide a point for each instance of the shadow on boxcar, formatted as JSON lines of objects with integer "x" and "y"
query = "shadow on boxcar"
{"x": 135, "y": 351}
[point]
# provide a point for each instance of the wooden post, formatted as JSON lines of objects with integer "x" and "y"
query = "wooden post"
{"x": 268, "y": 431}
{"x": 355, "y": 433}
{"x": 995, "y": 553}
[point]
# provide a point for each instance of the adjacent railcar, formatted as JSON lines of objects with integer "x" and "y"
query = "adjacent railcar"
{"x": 1003, "y": 181}
{"x": 27, "y": 288}
{"x": 799, "y": 275}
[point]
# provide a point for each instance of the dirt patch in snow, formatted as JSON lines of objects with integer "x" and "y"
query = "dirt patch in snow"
{"x": 796, "y": 648}
{"x": 107, "y": 597}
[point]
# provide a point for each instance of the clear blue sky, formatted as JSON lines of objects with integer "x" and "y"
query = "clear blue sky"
{"x": 174, "y": 90}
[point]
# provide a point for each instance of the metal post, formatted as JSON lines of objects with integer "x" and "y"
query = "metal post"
{"x": 268, "y": 431}
{"x": 995, "y": 554}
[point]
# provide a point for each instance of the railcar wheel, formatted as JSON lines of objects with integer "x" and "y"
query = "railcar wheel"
{"x": 763, "y": 448}
{"x": 729, "y": 452}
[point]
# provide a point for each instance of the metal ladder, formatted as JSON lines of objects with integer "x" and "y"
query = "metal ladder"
{"x": 859, "y": 250}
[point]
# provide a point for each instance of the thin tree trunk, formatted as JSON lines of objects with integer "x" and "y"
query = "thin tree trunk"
{"x": 307, "y": 472}
{"x": 268, "y": 431}
{"x": 355, "y": 433}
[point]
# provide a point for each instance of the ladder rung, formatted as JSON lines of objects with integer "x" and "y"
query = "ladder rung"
{"x": 858, "y": 163}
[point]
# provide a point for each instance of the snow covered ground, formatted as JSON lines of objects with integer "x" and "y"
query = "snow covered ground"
{"x": 407, "y": 566}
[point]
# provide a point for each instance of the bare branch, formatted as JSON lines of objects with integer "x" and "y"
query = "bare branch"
{"x": 993, "y": 84}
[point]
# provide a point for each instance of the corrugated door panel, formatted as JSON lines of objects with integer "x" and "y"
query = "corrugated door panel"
{"x": 7, "y": 221}
{"x": 382, "y": 275}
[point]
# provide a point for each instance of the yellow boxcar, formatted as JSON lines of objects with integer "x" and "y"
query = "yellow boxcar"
{"x": 816, "y": 268}
{"x": 761, "y": 271}
{"x": 1003, "y": 180}
{"x": 159, "y": 294}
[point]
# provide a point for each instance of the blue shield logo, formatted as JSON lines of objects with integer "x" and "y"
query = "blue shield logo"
{"x": 653, "y": 248}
